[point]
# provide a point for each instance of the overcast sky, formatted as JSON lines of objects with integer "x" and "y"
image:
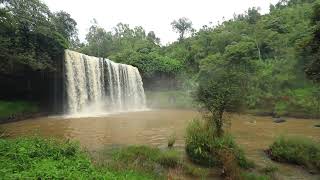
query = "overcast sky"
{"x": 153, "y": 15}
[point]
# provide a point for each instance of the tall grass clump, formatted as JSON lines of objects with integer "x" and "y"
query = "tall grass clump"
{"x": 39, "y": 158}
{"x": 204, "y": 148}
{"x": 296, "y": 150}
{"x": 145, "y": 159}
{"x": 171, "y": 140}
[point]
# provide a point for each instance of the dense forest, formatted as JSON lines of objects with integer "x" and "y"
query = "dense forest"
{"x": 275, "y": 55}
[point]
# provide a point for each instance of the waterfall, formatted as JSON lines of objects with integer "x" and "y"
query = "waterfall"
{"x": 96, "y": 86}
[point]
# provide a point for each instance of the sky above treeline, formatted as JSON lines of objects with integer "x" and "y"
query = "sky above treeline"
{"x": 153, "y": 15}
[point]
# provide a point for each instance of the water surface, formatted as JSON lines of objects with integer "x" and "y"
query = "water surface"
{"x": 253, "y": 133}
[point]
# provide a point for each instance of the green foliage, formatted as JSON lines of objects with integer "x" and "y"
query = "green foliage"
{"x": 203, "y": 148}
{"x": 182, "y": 26}
{"x": 38, "y": 158}
{"x": 253, "y": 176}
{"x": 146, "y": 158}
{"x": 150, "y": 63}
{"x": 31, "y": 37}
{"x": 220, "y": 88}
{"x": 8, "y": 108}
{"x": 296, "y": 150}
{"x": 311, "y": 46}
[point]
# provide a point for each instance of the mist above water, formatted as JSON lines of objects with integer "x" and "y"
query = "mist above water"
{"x": 98, "y": 86}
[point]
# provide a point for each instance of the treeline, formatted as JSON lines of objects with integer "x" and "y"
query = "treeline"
{"x": 277, "y": 54}
{"x": 273, "y": 59}
{"x": 133, "y": 46}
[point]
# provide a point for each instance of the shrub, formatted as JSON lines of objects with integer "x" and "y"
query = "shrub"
{"x": 198, "y": 141}
{"x": 296, "y": 150}
{"x": 203, "y": 148}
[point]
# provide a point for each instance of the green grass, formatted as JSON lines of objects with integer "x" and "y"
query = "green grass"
{"x": 296, "y": 150}
{"x": 169, "y": 99}
{"x": 254, "y": 176}
{"x": 203, "y": 148}
{"x": 153, "y": 161}
{"x": 145, "y": 159}
{"x": 195, "y": 171}
{"x": 38, "y": 158}
{"x": 8, "y": 108}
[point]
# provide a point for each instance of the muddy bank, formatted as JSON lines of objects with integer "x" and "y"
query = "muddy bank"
{"x": 22, "y": 116}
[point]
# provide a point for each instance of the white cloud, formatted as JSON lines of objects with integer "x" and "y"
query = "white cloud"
{"x": 153, "y": 15}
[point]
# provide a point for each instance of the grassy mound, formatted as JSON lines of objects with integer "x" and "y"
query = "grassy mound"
{"x": 38, "y": 158}
{"x": 205, "y": 149}
{"x": 296, "y": 150}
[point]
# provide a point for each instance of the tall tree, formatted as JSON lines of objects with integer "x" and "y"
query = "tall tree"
{"x": 67, "y": 27}
{"x": 182, "y": 26}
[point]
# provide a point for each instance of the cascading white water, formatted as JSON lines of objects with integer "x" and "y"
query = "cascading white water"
{"x": 96, "y": 86}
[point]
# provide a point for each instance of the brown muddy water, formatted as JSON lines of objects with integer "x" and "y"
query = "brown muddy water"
{"x": 253, "y": 133}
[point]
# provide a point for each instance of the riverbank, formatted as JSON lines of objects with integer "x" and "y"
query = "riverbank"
{"x": 12, "y": 111}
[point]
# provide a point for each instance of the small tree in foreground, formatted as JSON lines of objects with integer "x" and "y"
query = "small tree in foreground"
{"x": 219, "y": 89}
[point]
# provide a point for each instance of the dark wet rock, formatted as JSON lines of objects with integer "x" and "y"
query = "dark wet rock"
{"x": 279, "y": 120}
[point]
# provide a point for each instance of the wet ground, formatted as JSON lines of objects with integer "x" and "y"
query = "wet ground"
{"x": 253, "y": 133}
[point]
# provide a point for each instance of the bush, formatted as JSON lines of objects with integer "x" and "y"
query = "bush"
{"x": 296, "y": 150}
{"x": 203, "y": 148}
{"x": 39, "y": 158}
{"x": 198, "y": 141}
